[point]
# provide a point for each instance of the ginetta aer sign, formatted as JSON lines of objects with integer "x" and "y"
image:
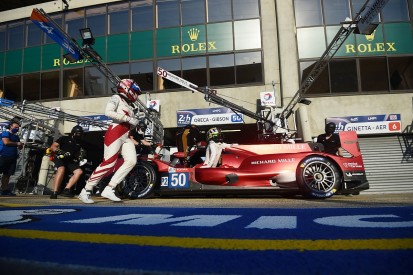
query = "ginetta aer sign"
{"x": 371, "y": 124}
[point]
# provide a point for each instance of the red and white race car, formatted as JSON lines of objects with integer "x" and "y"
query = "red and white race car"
{"x": 285, "y": 169}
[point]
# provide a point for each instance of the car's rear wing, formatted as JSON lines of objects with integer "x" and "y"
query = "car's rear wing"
{"x": 349, "y": 142}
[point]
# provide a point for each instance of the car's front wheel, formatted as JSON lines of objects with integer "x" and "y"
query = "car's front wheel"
{"x": 140, "y": 182}
{"x": 318, "y": 177}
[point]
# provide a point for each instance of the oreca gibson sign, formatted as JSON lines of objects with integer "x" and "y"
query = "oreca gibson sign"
{"x": 208, "y": 116}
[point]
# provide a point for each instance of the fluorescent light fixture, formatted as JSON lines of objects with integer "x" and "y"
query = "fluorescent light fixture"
{"x": 69, "y": 58}
{"x": 87, "y": 36}
{"x": 305, "y": 101}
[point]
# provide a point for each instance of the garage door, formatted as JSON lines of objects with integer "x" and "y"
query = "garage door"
{"x": 389, "y": 163}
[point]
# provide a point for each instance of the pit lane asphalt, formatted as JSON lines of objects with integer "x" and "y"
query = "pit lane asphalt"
{"x": 338, "y": 201}
{"x": 23, "y": 266}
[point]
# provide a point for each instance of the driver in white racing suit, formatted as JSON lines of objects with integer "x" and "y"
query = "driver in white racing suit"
{"x": 120, "y": 109}
{"x": 215, "y": 147}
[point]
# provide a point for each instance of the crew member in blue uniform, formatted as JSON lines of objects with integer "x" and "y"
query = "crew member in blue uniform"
{"x": 9, "y": 153}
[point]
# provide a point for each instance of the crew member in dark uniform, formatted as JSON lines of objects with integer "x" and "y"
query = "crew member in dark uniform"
{"x": 137, "y": 135}
{"x": 67, "y": 151}
{"x": 330, "y": 140}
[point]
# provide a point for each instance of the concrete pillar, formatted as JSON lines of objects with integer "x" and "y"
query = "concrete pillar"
{"x": 303, "y": 124}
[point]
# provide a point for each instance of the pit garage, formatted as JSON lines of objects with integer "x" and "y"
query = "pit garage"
{"x": 388, "y": 161}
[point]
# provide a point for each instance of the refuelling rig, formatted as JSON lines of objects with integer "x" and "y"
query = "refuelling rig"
{"x": 39, "y": 128}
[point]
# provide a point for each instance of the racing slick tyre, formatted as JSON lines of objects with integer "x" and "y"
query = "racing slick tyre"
{"x": 318, "y": 177}
{"x": 140, "y": 182}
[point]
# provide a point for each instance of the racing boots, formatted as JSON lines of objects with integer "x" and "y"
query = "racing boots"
{"x": 85, "y": 195}
{"x": 109, "y": 193}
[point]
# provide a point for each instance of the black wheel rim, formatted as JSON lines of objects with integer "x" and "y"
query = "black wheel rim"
{"x": 138, "y": 180}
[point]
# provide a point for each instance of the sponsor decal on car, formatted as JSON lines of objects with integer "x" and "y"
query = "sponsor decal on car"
{"x": 352, "y": 165}
{"x": 273, "y": 161}
{"x": 323, "y": 195}
{"x": 267, "y": 161}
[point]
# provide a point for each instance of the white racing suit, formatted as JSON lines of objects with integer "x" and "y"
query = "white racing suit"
{"x": 213, "y": 153}
{"x": 116, "y": 141}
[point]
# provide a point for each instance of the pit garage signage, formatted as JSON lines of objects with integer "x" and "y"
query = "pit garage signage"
{"x": 153, "y": 104}
{"x": 268, "y": 99}
{"x": 208, "y": 116}
{"x": 372, "y": 124}
{"x": 91, "y": 128}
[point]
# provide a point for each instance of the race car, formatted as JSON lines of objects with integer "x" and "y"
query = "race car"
{"x": 285, "y": 169}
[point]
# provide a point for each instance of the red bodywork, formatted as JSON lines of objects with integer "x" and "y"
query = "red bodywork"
{"x": 266, "y": 167}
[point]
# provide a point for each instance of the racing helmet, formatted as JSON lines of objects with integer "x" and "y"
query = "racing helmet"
{"x": 77, "y": 131}
{"x": 330, "y": 127}
{"x": 214, "y": 134}
{"x": 129, "y": 89}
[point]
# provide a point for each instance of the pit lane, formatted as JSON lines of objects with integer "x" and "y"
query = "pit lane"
{"x": 259, "y": 235}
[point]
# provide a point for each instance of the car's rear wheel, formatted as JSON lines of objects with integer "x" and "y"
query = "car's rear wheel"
{"x": 140, "y": 182}
{"x": 318, "y": 177}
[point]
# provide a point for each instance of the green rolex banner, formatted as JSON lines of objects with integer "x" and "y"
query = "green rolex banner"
{"x": 387, "y": 39}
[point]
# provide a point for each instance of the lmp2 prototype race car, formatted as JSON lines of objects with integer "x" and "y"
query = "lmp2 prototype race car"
{"x": 285, "y": 169}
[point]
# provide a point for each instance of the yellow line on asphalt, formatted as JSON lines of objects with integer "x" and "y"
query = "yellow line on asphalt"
{"x": 211, "y": 243}
{"x": 19, "y": 205}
